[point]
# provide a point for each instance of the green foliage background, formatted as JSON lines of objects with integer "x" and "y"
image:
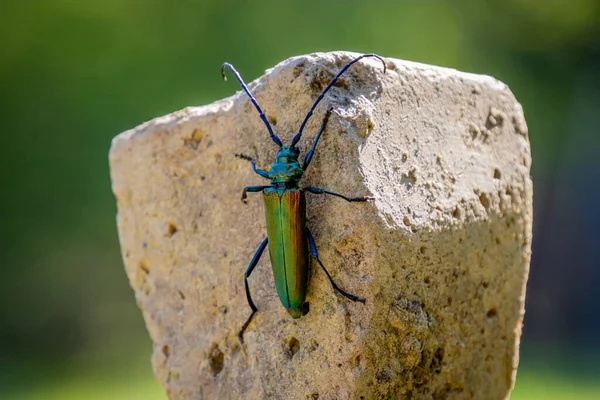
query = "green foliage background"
{"x": 73, "y": 74}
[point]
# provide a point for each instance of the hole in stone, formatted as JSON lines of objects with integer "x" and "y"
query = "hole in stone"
{"x": 224, "y": 310}
{"x": 498, "y": 241}
{"x": 423, "y": 249}
{"x": 406, "y": 221}
{"x": 485, "y": 284}
{"x": 492, "y": 313}
{"x": 166, "y": 350}
{"x": 314, "y": 396}
{"x": 272, "y": 120}
{"x": 357, "y": 360}
{"x": 305, "y": 307}
{"x": 172, "y": 229}
{"x": 485, "y": 201}
{"x": 293, "y": 346}
{"x": 216, "y": 360}
{"x": 436, "y": 361}
{"x": 370, "y": 125}
{"x": 497, "y": 174}
{"x": 456, "y": 212}
{"x": 144, "y": 266}
{"x": 427, "y": 280}
{"x": 349, "y": 336}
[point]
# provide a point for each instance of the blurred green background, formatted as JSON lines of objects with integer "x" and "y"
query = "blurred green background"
{"x": 73, "y": 74}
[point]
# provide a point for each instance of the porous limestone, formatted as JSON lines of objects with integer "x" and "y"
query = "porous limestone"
{"x": 441, "y": 255}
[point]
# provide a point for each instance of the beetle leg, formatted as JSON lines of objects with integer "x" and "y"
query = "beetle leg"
{"x": 309, "y": 155}
{"x": 253, "y": 264}
{"x": 252, "y": 189}
{"x": 261, "y": 172}
{"x": 316, "y": 190}
{"x": 315, "y": 254}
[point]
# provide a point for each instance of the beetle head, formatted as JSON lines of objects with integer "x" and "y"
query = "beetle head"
{"x": 287, "y": 154}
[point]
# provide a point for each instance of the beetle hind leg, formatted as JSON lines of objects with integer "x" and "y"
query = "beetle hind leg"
{"x": 247, "y": 274}
{"x": 254, "y": 310}
{"x": 315, "y": 254}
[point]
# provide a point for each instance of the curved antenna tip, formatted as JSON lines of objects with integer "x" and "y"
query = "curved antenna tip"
{"x": 380, "y": 59}
{"x": 377, "y": 56}
{"x": 223, "y": 70}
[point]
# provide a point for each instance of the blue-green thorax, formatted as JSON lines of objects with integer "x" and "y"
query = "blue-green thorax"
{"x": 286, "y": 167}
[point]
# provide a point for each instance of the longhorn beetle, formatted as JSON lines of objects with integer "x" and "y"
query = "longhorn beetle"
{"x": 288, "y": 237}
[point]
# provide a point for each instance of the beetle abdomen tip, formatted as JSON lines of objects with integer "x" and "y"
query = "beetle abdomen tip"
{"x": 295, "y": 312}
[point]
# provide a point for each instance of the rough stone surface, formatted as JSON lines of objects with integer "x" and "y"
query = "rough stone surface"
{"x": 441, "y": 256}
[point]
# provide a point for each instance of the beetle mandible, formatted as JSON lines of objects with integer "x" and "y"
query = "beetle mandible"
{"x": 288, "y": 237}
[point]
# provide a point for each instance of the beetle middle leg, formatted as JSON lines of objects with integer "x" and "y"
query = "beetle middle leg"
{"x": 252, "y": 189}
{"x": 253, "y": 264}
{"x": 316, "y": 190}
{"x": 315, "y": 254}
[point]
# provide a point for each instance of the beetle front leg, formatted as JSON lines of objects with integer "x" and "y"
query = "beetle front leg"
{"x": 350, "y": 199}
{"x": 315, "y": 254}
{"x": 253, "y": 264}
{"x": 259, "y": 171}
{"x": 252, "y": 189}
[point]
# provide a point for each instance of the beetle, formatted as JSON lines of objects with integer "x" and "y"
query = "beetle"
{"x": 288, "y": 236}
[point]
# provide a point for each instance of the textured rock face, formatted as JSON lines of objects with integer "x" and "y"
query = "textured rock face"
{"x": 441, "y": 256}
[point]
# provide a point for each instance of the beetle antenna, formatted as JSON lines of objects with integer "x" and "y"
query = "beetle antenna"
{"x": 252, "y": 99}
{"x": 299, "y": 134}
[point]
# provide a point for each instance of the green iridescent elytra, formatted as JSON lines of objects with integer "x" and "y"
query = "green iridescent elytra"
{"x": 288, "y": 236}
{"x": 285, "y": 210}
